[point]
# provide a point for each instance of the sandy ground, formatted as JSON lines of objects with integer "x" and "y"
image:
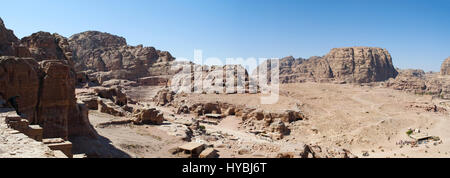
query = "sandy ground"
{"x": 358, "y": 118}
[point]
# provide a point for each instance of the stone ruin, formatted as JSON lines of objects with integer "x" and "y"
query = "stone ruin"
{"x": 22, "y": 125}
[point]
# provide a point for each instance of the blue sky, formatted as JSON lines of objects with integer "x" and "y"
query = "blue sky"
{"x": 416, "y": 32}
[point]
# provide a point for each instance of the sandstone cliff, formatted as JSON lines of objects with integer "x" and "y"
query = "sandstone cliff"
{"x": 419, "y": 82}
{"x": 7, "y": 38}
{"x": 45, "y": 83}
{"x": 351, "y": 65}
{"x": 445, "y": 69}
{"x": 105, "y": 56}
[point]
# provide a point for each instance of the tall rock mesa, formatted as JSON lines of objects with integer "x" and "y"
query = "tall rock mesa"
{"x": 361, "y": 64}
{"x": 105, "y": 56}
{"x": 350, "y": 65}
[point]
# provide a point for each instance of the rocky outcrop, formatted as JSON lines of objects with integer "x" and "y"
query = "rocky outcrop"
{"x": 148, "y": 116}
{"x": 56, "y": 98}
{"x": 351, "y": 65}
{"x": 107, "y": 56}
{"x": 313, "y": 151}
{"x": 45, "y": 85}
{"x": 46, "y": 46}
{"x": 113, "y": 93}
{"x": 164, "y": 97}
{"x": 7, "y": 41}
{"x": 19, "y": 77}
{"x": 445, "y": 69}
{"x": 269, "y": 124}
{"x": 419, "y": 82}
{"x": 229, "y": 79}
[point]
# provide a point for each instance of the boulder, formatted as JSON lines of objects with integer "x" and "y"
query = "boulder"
{"x": 183, "y": 110}
{"x": 89, "y": 99}
{"x": 113, "y": 93}
{"x": 148, "y": 116}
{"x": 108, "y": 107}
{"x": 164, "y": 97}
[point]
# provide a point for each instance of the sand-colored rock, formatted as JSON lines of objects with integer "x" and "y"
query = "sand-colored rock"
{"x": 445, "y": 69}
{"x": 351, "y": 65}
{"x": 107, "y": 56}
{"x": 148, "y": 116}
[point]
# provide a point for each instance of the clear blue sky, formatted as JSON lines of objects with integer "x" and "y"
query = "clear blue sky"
{"x": 416, "y": 32}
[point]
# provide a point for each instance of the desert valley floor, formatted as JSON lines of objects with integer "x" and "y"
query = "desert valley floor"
{"x": 369, "y": 121}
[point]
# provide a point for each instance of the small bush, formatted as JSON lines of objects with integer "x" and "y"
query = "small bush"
{"x": 409, "y": 132}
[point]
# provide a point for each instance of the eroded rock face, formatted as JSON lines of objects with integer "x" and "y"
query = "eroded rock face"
{"x": 109, "y": 57}
{"x": 418, "y": 82}
{"x": 148, "y": 116}
{"x": 57, "y": 98}
{"x": 7, "y": 40}
{"x": 46, "y": 46}
{"x": 313, "y": 151}
{"x": 46, "y": 89}
{"x": 164, "y": 97}
{"x": 352, "y": 65}
{"x": 228, "y": 79}
{"x": 445, "y": 69}
{"x": 113, "y": 93}
{"x": 361, "y": 64}
{"x": 19, "y": 77}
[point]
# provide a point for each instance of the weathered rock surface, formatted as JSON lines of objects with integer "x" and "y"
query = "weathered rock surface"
{"x": 107, "y": 56}
{"x": 164, "y": 97}
{"x": 445, "y": 69}
{"x": 418, "y": 82}
{"x": 19, "y": 77}
{"x": 56, "y": 99}
{"x": 115, "y": 94}
{"x": 351, "y": 65}
{"x": 46, "y": 46}
{"x": 109, "y": 107}
{"x": 313, "y": 151}
{"x": 7, "y": 41}
{"x": 45, "y": 85}
{"x": 148, "y": 116}
{"x": 228, "y": 79}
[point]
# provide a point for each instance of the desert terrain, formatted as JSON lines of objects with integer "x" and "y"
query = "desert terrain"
{"x": 92, "y": 95}
{"x": 361, "y": 119}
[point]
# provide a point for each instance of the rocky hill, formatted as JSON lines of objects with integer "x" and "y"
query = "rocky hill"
{"x": 39, "y": 70}
{"x": 105, "y": 56}
{"x": 445, "y": 69}
{"x": 351, "y": 65}
{"x": 7, "y": 38}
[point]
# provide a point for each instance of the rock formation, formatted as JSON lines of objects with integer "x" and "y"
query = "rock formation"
{"x": 419, "y": 82}
{"x": 352, "y": 65}
{"x": 445, "y": 69}
{"x": 228, "y": 79}
{"x": 45, "y": 83}
{"x": 105, "y": 56}
{"x": 148, "y": 116}
{"x": 7, "y": 41}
